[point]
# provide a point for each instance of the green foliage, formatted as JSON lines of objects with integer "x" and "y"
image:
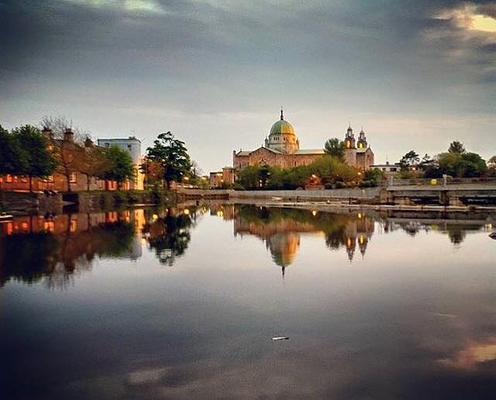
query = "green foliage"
{"x": 410, "y": 159}
{"x": 35, "y": 159}
{"x": 12, "y": 159}
{"x": 119, "y": 165}
{"x": 171, "y": 154}
{"x": 328, "y": 169}
{"x": 249, "y": 177}
{"x": 373, "y": 177}
{"x": 461, "y": 164}
{"x": 335, "y": 148}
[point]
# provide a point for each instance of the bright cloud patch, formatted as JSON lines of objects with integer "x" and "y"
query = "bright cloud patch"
{"x": 469, "y": 18}
{"x": 483, "y": 23}
{"x": 148, "y": 6}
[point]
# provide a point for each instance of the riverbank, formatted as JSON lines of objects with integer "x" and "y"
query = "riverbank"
{"x": 22, "y": 203}
{"x": 469, "y": 196}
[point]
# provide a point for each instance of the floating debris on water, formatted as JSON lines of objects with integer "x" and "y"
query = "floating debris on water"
{"x": 276, "y": 338}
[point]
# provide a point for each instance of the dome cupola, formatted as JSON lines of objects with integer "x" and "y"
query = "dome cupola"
{"x": 282, "y": 137}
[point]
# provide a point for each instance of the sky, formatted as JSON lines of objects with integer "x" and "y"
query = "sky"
{"x": 415, "y": 74}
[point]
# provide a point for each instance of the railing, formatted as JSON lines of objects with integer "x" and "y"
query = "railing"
{"x": 392, "y": 181}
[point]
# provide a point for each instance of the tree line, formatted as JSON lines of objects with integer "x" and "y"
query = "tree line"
{"x": 327, "y": 171}
{"x": 29, "y": 152}
{"x": 455, "y": 162}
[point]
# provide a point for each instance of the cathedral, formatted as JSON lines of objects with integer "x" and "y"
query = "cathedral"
{"x": 282, "y": 149}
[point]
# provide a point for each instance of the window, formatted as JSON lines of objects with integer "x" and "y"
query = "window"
{"x": 49, "y": 226}
{"x": 129, "y": 147}
{"x": 8, "y": 179}
{"x": 24, "y": 179}
{"x": 72, "y": 177}
{"x": 73, "y": 225}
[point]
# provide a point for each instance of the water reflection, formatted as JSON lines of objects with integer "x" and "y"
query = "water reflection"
{"x": 58, "y": 248}
{"x": 35, "y": 247}
{"x": 168, "y": 233}
{"x": 412, "y": 319}
{"x": 282, "y": 228}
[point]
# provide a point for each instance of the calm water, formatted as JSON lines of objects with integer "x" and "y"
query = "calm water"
{"x": 183, "y": 303}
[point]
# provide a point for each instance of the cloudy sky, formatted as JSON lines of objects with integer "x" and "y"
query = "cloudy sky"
{"x": 415, "y": 74}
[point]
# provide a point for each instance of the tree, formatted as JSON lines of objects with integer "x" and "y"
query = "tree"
{"x": 335, "y": 147}
{"x": 410, "y": 159}
{"x": 12, "y": 159}
{"x": 92, "y": 162}
{"x": 118, "y": 165}
{"x": 461, "y": 164}
{"x": 152, "y": 170}
{"x": 172, "y": 155}
{"x": 456, "y": 147}
{"x": 492, "y": 162}
{"x": 38, "y": 161}
{"x": 66, "y": 143}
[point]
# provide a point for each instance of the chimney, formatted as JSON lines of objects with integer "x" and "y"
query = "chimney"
{"x": 68, "y": 135}
{"x": 88, "y": 142}
{"x": 47, "y": 132}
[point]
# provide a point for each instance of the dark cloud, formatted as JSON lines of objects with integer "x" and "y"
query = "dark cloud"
{"x": 219, "y": 57}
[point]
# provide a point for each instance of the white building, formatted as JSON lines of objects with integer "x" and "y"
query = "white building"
{"x": 133, "y": 146}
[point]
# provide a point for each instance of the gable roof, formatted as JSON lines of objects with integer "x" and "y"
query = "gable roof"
{"x": 248, "y": 152}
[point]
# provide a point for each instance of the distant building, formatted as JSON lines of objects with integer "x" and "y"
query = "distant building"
{"x": 282, "y": 149}
{"x": 357, "y": 153}
{"x": 224, "y": 178}
{"x": 388, "y": 169}
{"x": 133, "y": 146}
{"x": 77, "y": 180}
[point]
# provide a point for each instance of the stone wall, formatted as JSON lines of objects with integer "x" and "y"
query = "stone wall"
{"x": 263, "y": 156}
{"x": 308, "y": 195}
{"x": 27, "y": 203}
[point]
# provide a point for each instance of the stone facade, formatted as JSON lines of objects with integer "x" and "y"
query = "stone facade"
{"x": 267, "y": 156}
{"x": 358, "y": 153}
{"x": 226, "y": 177}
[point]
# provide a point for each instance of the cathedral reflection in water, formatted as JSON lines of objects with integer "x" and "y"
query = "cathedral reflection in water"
{"x": 58, "y": 248}
{"x": 281, "y": 229}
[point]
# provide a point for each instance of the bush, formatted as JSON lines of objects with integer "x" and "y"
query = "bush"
{"x": 328, "y": 169}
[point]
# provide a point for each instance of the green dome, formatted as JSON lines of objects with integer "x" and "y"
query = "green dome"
{"x": 282, "y": 127}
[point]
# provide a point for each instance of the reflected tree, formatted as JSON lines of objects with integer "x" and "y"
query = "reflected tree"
{"x": 169, "y": 235}
{"x": 27, "y": 257}
{"x": 57, "y": 257}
